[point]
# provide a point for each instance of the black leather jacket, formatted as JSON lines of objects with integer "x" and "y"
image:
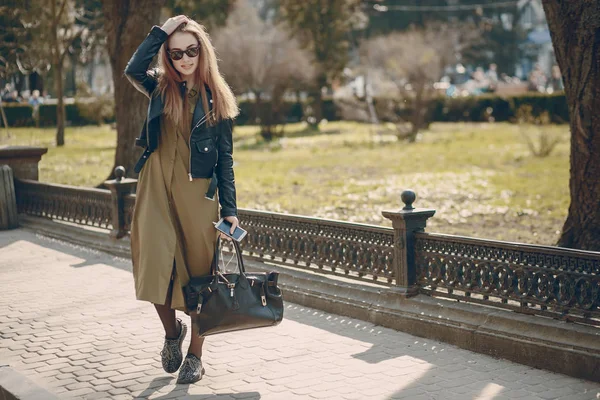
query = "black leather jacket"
{"x": 211, "y": 147}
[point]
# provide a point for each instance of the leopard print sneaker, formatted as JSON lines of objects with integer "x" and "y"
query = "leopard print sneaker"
{"x": 171, "y": 354}
{"x": 191, "y": 371}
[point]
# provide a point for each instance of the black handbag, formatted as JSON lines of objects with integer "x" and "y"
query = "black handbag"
{"x": 227, "y": 302}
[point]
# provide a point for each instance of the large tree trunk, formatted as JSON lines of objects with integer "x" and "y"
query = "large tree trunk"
{"x": 575, "y": 29}
{"x": 127, "y": 22}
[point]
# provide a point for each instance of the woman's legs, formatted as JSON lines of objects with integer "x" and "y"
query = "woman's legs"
{"x": 172, "y": 330}
{"x": 167, "y": 316}
{"x": 196, "y": 341}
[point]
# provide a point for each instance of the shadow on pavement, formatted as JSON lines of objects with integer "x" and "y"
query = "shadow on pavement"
{"x": 180, "y": 391}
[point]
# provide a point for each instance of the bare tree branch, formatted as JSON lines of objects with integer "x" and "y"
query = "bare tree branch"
{"x": 260, "y": 58}
{"x": 62, "y": 9}
{"x": 413, "y": 61}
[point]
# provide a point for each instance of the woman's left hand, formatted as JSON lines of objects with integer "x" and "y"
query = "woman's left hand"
{"x": 234, "y": 223}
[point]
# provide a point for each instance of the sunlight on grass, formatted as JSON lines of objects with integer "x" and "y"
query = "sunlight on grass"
{"x": 480, "y": 177}
{"x": 84, "y": 160}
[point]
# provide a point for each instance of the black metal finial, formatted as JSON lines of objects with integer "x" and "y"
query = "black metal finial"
{"x": 119, "y": 173}
{"x": 408, "y": 198}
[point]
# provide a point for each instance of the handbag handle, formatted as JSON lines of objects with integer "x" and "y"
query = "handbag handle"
{"x": 238, "y": 253}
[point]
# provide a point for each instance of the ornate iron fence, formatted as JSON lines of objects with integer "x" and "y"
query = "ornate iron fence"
{"x": 85, "y": 206}
{"x": 541, "y": 280}
{"x": 353, "y": 250}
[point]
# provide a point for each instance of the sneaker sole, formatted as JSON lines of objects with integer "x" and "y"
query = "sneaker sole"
{"x": 195, "y": 380}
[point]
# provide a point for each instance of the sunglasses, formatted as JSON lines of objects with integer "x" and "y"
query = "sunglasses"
{"x": 178, "y": 54}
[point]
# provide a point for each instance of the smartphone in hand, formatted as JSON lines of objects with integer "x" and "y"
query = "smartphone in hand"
{"x": 224, "y": 227}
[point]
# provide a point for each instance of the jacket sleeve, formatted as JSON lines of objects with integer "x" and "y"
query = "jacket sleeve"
{"x": 137, "y": 68}
{"x": 224, "y": 170}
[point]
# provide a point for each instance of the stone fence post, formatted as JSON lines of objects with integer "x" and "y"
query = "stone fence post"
{"x": 8, "y": 201}
{"x": 119, "y": 188}
{"x": 23, "y": 160}
{"x": 406, "y": 223}
{"x": 19, "y": 162}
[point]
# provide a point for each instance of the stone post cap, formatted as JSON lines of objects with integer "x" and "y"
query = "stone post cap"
{"x": 7, "y": 151}
{"x": 119, "y": 181}
{"x": 408, "y": 211}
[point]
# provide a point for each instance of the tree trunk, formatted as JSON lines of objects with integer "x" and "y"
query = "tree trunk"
{"x": 575, "y": 30}
{"x": 92, "y": 68}
{"x": 60, "y": 106}
{"x": 318, "y": 99}
{"x": 416, "y": 119}
{"x": 57, "y": 66}
{"x": 127, "y": 22}
{"x": 257, "y": 117}
{"x": 373, "y": 118}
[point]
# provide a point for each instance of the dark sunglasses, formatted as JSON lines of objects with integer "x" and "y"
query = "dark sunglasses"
{"x": 178, "y": 54}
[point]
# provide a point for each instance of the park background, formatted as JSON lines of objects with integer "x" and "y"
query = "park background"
{"x": 344, "y": 104}
{"x": 486, "y": 109}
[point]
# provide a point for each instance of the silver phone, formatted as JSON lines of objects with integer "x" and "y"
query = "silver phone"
{"x": 224, "y": 226}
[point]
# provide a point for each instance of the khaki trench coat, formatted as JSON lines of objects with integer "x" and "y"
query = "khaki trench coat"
{"x": 172, "y": 231}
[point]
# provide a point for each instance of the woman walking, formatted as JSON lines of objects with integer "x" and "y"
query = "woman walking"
{"x": 186, "y": 165}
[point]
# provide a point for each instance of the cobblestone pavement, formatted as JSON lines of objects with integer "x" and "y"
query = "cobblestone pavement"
{"x": 69, "y": 321}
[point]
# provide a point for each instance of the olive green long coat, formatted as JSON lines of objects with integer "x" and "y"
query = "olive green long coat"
{"x": 172, "y": 231}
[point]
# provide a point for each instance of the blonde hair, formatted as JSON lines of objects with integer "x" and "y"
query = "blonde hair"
{"x": 207, "y": 72}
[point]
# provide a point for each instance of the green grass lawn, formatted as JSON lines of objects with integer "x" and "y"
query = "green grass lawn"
{"x": 481, "y": 178}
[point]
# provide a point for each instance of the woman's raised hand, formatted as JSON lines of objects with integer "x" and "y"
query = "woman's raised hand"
{"x": 173, "y": 23}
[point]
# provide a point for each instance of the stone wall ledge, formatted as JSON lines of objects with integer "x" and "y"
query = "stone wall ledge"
{"x": 15, "y": 386}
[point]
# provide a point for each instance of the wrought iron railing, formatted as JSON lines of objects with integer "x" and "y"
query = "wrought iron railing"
{"x": 85, "y": 206}
{"x": 540, "y": 280}
{"x": 353, "y": 250}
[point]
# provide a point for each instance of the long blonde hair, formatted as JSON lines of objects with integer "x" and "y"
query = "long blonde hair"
{"x": 207, "y": 72}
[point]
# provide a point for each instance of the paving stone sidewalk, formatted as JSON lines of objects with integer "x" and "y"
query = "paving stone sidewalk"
{"x": 69, "y": 321}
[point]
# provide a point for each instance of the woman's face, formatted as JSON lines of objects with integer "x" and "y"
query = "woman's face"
{"x": 179, "y": 42}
